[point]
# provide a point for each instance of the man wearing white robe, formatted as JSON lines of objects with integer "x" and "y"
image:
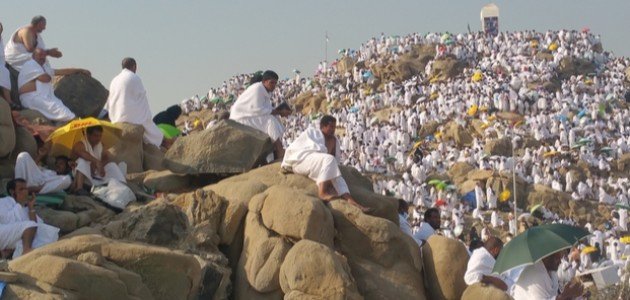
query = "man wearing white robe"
{"x": 315, "y": 153}
{"x": 39, "y": 180}
{"x": 430, "y": 223}
{"x": 24, "y": 41}
{"x": 128, "y": 102}
{"x": 93, "y": 163}
{"x": 36, "y": 89}
{"x": 253, "y": 108}
{"x": 540, "y": 281}
{"x": 21, "y": 229}
{"x": 481, "y": 263}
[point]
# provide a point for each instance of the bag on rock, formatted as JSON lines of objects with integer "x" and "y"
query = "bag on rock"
{"x": 115, "y": 193}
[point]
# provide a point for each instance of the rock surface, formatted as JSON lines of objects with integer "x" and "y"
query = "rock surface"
{"x": 82, "y": 94}
{"x": 7, "y": 131}
{"x": 445, "y": 262}
{"x": 227, "y": 148}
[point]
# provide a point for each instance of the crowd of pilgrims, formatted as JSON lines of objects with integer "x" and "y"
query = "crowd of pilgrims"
{"x": 582, "y": 119}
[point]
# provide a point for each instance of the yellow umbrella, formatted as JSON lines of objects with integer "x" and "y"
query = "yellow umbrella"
{"x": 477, "y": 76}
{"x": 550, "y": 154}
{"x": 553, "y": 46}
{"x": 473, "y": 110}
{"x": 589, "y": 249}
{"x": 505, "y": 195}
{"x": 625, "y": 239}
{"x": 64, "y": 138}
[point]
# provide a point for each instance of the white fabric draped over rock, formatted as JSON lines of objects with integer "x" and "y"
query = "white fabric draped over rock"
{"x": 43, "y": 99}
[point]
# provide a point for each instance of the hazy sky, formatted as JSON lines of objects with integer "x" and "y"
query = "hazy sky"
{"x": 185, "y": 47}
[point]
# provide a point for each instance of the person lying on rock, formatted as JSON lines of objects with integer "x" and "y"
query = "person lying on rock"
{"x": 36, "y": 89}
{"x": 21, "y": 229}
{"x": 93, "y": 163}
{"x": 315, "y": 154}
{"x": 40, "y": 180}
{"x": 253, "y": 108}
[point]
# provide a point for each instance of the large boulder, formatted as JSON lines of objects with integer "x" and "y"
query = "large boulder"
{"x": 501, "y": 147}
{"x": 458, "y": 171}
{"x": 309, "y": 103}
{"x": 166, "y": 181}
{"x": 82, "y": 94}
{"x": 345, "y": 64}
{"x": 152, "y": 157}
{"x": 320, "y": 274}
{"x": 428, "y": 129}
{"x": 445, "y": 262}
{"x": 458, "y": 134}
{"x": 35, "y": 117}
{"x": 446, "y": 68}
{"x": 94, "y": 267}
{"x": 623, "y": 163}
{"x": 24, "y": 142}
{"x": 569, "y": 66}
{"x": 129, "y": 148}
{"x": 384, "y": 261}
{"x": 7, "y": 131}
{"x": 226, "y": 148}
{"x": 480, "y": 291}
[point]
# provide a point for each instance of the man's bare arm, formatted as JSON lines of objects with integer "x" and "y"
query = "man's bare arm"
{"x": 28, "y": 38}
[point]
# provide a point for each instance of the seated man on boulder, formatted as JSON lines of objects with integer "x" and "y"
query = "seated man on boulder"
{"x": 40, "y": 180}
{"x": 21, "y": 229}
{"x": 128, "y": 102}
{"x": 93, "y": 164}
{"x": 481, "y": 263}
{"x": 24, "y": 41}
{"x": 315, "y": 154}
{"x": 36, "y": 89}
{"x": 253, "y": 108}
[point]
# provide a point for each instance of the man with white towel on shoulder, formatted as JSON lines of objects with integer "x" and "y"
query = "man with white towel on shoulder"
{"x": 128, "y": 102}
{"x": 315, "y": 153}
{"x": 253, "y": 108}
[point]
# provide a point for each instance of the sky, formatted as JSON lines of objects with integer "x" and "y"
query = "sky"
{"x": 186, "y": 47}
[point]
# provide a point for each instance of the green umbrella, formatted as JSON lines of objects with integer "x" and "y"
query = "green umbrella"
{"x": 619, "y": 205}
{"x": 441, "y": 186}
{"x": 169, "y": 131}
{"x": 537, "y": 243}
{"x": 435, "y": 182}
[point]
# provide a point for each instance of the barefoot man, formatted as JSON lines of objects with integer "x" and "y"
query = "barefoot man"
{"x": 314, "y": 154}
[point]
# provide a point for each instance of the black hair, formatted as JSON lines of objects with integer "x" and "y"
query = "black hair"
{"x": 428, "y": 212}
{"x": 62, "y": 157}
{"x": 128, "y": 63}
{"x": 256, "y": 77}
{"x": 403, "y": 206}
{"x": 93, "y": 129}
{"x": 37, "y": 19}
{"x": 326, "y": 120}
{"x": 283, "y": 106}
{"x": 13, "y": 183}
{"x": 269, "y": 75}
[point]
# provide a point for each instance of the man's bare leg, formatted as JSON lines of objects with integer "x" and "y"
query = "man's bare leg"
{"x": 326, "y": 190}
{"x": 27, "y": 239}
{"x": 78, "y": 181}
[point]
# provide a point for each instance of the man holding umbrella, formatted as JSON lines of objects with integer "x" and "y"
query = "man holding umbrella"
{"x": 540, "y": 281}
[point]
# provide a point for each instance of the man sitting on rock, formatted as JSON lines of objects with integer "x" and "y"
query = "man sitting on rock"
{"x": 21, "y": 229}
{"x": 128, "y": 102}
{"x": 253, "y": 108}
{"x": 93, "y": 162}
{"x": 36, "y": 89}
{"x": 481, "y": 263}
{"x": 25, "y": 40}
{"x": 40, "y": 180}
{"x": 315, "y": 154}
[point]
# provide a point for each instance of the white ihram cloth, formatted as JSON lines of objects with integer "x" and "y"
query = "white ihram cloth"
{"x": 481, "y": 263}
{"x": 27, "y": 169}
{"x": 253, "y": 108}
{"x": 43, "y": 98}
{"x": 128, "y": 102}
{"x": 423, "y": 233}
{"x": 112, "y": 170}
{"x": 14, "y": 220}
{"x": 536, "y": 283}
{"x": 16, "y": 53}
{"x": 308, "y": 155}
{"x": 5, "y": 78}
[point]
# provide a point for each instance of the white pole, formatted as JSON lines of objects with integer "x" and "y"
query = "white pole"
{"x": 514, "y": 169}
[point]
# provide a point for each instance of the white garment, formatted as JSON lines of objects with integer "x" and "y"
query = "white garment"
{"x": 128, "y": 102}
{"x": 404, "y": 224}
{"x": 308, "y": 155}
{"x": 5, "y": 78}
{"x": 536, "y": 283}
{"x": 253, "y": 108}
{"x": 14, "y": 220}
{"x": 43, "y": 98}
{"x": 424, "y": 232}
{"x": 16, "y": 53}
{"x": 481, "y": 263}
{"x": 27, "y": 169}
{"x": 112, "y": 170}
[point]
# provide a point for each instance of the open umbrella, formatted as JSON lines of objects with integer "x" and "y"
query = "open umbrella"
{"x": 535, "y": 207}
{"x": 537, "y": 243}
{"x": 505, "y": 195}
{"x": 550, "y": 154}
{"x": 169, "y": 131}
{"x": 64, "y": 138}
